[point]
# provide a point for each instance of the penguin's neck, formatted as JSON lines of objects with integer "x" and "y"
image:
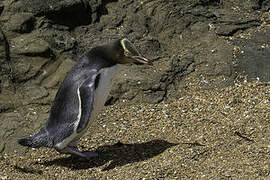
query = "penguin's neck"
{"x": 104, "y": 56}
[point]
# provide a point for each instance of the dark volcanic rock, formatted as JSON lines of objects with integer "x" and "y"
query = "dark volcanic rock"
{"x": 56, "y": 78}
{"x": 6, "y": 101}
{"x": 29, "y": 45}
{"x": 70, "y": 13}
{"x": 1, "y": 8}
{"x": 253, "y": 57}
{"x": 21, "y": 23}
{"x": 2, "y": 51}
{"x": 230, "y": 28}
{"x": 9, "y": 125}
{"x": 65, "y": 12}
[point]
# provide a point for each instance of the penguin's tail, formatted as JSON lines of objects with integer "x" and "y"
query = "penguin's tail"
{"x": 38, "y": 140}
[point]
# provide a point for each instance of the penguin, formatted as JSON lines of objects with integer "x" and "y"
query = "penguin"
{"x": 82, "y": 95}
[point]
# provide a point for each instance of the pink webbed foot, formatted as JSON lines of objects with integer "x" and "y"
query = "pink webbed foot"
{"x": 75, "y": 151}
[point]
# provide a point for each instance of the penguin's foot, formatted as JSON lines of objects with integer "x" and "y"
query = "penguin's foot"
{"x": 89, "y": 154}
{"x": 75, "y": 151}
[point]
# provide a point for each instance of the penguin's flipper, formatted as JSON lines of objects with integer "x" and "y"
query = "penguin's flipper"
{"x": 86, "y": 95}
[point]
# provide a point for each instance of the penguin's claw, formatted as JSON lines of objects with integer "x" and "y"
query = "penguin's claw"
{"x": 74, "y": 151}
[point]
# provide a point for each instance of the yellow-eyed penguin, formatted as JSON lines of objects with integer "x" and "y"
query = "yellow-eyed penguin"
{"x": 81, "y": 96}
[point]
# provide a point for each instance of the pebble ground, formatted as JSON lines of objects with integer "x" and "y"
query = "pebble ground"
{"x": 205, "y": 134}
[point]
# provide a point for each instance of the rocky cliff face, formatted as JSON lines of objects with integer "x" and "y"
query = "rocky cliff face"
{"x": 40, "y": 40}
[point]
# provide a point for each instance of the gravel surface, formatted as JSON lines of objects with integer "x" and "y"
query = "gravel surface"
{"x": 217, "y": 134}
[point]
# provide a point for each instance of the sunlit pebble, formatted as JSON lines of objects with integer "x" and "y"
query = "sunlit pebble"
{"x": 211, "y": 26}
{"x": 139, "y": 82}
{"x": 204, "y": 81}
{"x": 246, "y": 112}
{"x": 181, "y": 36}
{"x": 44, "y": 72}
{"x": 125, "y": 74}
{"x": 4, "y": 177}
{"x": 238, "y": 85}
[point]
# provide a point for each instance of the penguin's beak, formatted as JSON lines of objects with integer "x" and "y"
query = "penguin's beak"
{"x": 133, "y": 54}
{"x": 141, "y": 60}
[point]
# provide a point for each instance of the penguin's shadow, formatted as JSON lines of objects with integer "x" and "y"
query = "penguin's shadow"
{"x": 119, "y": 154}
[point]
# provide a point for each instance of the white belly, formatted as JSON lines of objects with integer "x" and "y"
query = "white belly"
{"x": 103, "y": 89}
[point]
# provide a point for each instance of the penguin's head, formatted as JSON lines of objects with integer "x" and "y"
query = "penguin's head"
{"x": 125, "y": 52}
